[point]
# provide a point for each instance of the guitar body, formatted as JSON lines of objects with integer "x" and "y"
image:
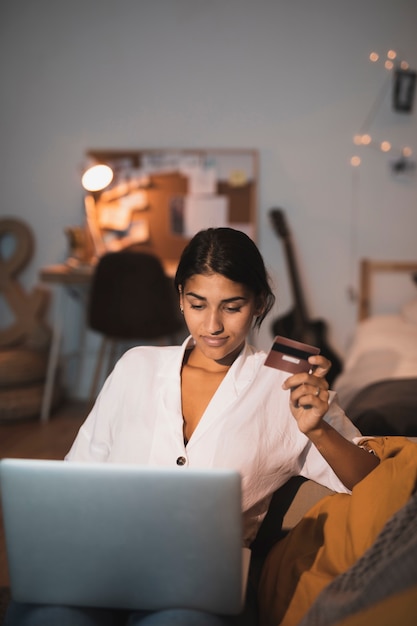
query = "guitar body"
{"x": 288, "y": 325}
{"x": 295, "y": 324}
{"x": 314, "y": 333}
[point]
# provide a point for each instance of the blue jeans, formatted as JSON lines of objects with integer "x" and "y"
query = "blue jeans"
{"x": 47, "y": 615}
{"x": 40, "y": 615}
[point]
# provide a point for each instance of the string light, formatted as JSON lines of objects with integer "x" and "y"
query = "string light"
{"x": 363, "y": 138}
{"x": 400, "y": 165}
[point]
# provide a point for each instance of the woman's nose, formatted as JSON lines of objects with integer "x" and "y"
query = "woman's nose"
{"x": 214, "y": 323}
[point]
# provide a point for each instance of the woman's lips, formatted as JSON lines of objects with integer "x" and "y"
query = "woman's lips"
{"x": 215, "y": 342}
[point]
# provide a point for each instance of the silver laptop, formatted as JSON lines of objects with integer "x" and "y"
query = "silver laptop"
{"x": 123, "y": 536}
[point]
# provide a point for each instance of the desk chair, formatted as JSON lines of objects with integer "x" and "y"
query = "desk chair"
{"x": 131, "y": 299}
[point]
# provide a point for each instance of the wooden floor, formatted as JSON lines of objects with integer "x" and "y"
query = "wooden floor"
{"x": 36, "y": 440}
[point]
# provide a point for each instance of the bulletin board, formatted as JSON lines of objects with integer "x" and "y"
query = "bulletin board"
{"x": 160, "y": 198}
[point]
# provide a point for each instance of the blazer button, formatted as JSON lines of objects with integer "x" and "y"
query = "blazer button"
{"x": 181, "y": 460}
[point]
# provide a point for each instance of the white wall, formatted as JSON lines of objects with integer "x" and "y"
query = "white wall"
{"x": 288, "y": 77}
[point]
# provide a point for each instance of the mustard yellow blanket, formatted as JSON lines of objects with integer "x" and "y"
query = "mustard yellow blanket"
{"x": 334, "y": 534}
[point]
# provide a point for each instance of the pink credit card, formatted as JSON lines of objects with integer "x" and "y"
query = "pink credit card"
{"x": 290, "y": 356}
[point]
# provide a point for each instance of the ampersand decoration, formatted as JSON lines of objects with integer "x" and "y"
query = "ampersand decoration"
{"x": 28, "y": 327}
{"x": 24, "y": 335}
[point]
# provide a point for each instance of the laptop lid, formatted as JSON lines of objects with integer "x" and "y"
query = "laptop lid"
{"x": 122, "y": 536}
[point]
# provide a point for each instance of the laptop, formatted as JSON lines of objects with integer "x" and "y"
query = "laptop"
{"x": 121, "y": 536}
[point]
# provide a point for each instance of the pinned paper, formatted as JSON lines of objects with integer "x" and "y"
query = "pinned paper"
{"x": 202, "y": 212}
{"x": 237, "y": 178}
{"x": 112, "y": 216}
{"x": 202, "y": 181}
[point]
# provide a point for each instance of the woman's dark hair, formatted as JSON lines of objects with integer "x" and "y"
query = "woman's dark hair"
{"x": 232, "y": 254}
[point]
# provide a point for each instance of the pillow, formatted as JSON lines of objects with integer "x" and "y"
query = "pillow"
{"x": 335, "y": 533}
{"x": 409, "y": 312}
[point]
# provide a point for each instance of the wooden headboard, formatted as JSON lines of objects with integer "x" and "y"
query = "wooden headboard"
{"x": 367, "y": 269}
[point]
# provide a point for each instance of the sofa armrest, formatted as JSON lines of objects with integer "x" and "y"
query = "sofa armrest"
{"x": 307, "y": 495}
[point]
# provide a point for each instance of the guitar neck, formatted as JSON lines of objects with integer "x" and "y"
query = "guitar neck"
{"x": 296, "y": 324}
{"x": 280, "y": 227}
{"x": 299, "y": 302}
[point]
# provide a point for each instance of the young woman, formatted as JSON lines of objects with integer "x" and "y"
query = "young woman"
{"x": 211, "y": 403}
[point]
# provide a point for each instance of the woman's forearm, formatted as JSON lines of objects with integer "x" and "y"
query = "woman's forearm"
{"x": 350, "y": 462}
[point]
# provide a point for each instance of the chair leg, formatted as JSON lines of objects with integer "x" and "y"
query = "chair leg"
{"x": 112, "y": 356}
{"x": 97, "y": 371}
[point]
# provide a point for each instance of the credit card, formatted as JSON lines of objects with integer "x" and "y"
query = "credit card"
{"x": 290, "y": 356}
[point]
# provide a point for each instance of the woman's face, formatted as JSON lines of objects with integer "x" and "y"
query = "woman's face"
{"x": 219, "y": 315}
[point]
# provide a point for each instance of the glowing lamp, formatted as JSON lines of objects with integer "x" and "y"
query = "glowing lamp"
{"x": 97, "y": 177}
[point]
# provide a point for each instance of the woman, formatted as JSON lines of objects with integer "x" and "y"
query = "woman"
{"x": 212, "y": 403}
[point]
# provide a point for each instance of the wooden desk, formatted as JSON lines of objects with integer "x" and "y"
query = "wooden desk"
{"x": 65, "y": 277}
{"x": 66, "y": 274}
{"x": 70, "y": 277}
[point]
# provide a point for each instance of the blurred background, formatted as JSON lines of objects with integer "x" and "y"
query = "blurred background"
{"x": 292, "y": 79}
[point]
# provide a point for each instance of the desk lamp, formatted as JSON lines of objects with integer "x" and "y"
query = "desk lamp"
{"x": 95, "y": 179}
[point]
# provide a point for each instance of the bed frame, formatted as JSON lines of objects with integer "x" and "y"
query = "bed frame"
{"x": 368, "y": 268}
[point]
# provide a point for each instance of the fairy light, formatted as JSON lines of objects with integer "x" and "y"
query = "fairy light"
{"x": 364, "y": 138}
{"x": 399, "y": 165}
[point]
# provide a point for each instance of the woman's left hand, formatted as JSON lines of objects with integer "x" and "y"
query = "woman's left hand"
{"x": 309, "y": 397}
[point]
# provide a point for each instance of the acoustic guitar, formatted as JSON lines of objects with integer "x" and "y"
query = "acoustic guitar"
{"x": 296, "y": 323}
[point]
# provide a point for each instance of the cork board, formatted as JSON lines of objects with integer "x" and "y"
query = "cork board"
{"x": 176, "y": 192}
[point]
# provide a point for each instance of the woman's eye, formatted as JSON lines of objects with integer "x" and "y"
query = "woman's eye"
{"x": 228, "y": 309}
